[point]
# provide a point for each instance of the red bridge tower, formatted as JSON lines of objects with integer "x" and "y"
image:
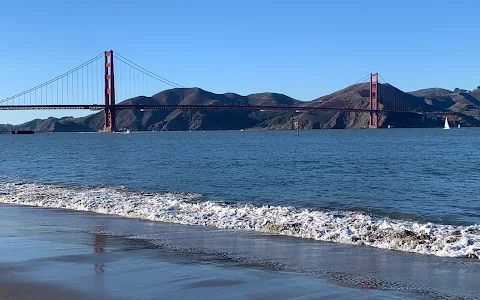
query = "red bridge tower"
{"x": 373, "y": 100}
{"x": 109, "y": 112}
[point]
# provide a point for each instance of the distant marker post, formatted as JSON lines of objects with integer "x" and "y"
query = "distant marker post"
{"x": 297, "y": 125}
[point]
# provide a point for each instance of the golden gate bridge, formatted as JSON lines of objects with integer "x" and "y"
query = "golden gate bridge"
{"x": 104, "y": 77}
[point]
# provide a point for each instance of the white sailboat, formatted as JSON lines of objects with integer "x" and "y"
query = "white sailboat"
{"x": 128, "y": 131}
{"x": 446, "y": 126}
{"x": 458, "y": 126}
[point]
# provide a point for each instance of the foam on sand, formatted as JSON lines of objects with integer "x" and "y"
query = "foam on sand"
{"x": 333, "y": 226}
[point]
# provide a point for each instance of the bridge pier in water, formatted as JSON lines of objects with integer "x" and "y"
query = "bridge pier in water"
{"x": 109, "y": 111}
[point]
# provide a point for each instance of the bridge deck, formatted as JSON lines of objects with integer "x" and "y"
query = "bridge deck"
{"x": 199, "y": 107}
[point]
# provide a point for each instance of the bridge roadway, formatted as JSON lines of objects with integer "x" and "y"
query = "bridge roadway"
{"x": 200, "y": 107}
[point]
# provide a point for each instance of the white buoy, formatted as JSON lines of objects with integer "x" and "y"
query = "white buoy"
{"x": 297, "y": 125}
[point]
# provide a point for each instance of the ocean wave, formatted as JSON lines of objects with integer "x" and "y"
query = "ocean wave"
{"x": 332, "y": 226}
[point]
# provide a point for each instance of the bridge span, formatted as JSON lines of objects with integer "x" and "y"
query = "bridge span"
{"x": 96, "y": 79}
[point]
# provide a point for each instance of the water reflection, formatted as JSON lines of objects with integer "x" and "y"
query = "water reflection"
{"x": 98, "y": 266}
{"x": 98, "y": 247}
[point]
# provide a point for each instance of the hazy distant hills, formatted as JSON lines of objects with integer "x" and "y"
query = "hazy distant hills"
{"x": 66, "y": 124}
{"x": 461, "y": 101}
{"x": 466, "y": 104}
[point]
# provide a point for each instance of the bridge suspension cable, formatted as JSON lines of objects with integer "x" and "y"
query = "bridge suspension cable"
{"x": 68, "y": 88}
{"x": 392, "y": 98}
{"x": 331, "y": 102}
{"x": 133, "y": 80}
{"x": 83, "y": 85}
{"x": 160, "y": 78}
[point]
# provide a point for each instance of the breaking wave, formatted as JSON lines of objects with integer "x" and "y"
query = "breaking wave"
{"x": 185, "y": 208}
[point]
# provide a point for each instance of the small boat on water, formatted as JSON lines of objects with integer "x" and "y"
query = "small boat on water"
{"x": 458, "y": 126}
{"x": 446, "y": 126}
{"x": 128, "y": 131}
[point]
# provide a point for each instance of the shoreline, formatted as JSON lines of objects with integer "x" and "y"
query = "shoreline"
{"x": 253, "y": 129}
{"x": 119, "y": 257}
{"x": 343, "y": 227}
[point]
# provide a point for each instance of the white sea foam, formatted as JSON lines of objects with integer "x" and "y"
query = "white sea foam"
{"x": 332, "y": 226}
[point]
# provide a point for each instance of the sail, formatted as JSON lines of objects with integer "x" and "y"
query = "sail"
{"x": 446, "y": 126}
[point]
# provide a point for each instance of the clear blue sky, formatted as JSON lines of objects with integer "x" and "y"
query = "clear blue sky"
{"x": 304, "y": 49}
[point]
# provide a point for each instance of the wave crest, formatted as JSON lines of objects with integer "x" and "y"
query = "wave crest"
{"x": 186, "y": 208}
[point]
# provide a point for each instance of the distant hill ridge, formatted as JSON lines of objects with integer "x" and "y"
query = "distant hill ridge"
{"x": 466, "y": 104}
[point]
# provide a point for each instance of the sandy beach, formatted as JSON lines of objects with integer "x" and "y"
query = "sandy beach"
{"x": 23, "y": 290}
{"x": 53, "y": 253}
{"x": 50, "y": 253}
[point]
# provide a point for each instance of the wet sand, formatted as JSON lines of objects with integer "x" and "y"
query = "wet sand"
{"x": 22, "y": 290}
{"x": 83, "y": 255}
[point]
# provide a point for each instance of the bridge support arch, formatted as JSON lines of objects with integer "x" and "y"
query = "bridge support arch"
{"x": 373, "y": 100}
{"x": 109, "y": 111}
